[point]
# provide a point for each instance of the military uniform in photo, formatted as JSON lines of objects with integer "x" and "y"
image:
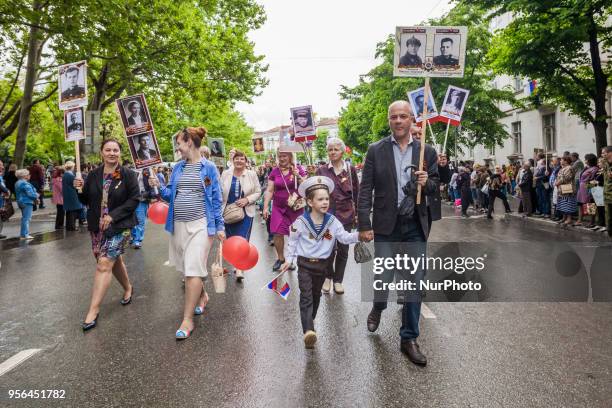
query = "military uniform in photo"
{"x": 445, "y": 60}
{"x": 74, "y": 92}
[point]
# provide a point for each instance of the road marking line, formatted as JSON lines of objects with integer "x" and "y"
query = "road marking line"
{"x": 17, "y": 359}
{"x": 426, "y": 312}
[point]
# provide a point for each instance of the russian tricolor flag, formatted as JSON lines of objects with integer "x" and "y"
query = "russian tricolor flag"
{"x": 277, "y": 286}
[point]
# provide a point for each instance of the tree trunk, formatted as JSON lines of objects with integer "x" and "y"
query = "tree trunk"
{"x": 600, "y": 124}
{"x": 34, "y": 45}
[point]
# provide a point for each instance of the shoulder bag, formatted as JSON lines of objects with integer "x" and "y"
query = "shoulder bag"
{"x": 294, "y": 201}
{"x": 361, "y": 252}
{"x": 233, "y": 214}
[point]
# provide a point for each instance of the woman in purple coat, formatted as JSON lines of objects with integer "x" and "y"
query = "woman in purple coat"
{"x": 283, "y": 182}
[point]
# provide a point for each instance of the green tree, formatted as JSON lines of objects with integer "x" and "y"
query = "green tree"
{"x": 320, "y": 144}
{"x": 364, "y": 119}
{"x": 561, "y": 44}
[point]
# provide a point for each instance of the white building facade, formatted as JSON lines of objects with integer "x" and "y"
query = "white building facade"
{"x": 547, "y": 129}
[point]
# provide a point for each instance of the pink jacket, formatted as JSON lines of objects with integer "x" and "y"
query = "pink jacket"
{"x": 57, "y": 198}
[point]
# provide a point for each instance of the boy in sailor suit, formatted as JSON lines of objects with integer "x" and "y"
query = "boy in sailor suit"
{"x": 311, "y": 240}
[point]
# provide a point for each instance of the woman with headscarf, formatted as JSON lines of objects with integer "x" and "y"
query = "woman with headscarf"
{"x": 282, "y": 186}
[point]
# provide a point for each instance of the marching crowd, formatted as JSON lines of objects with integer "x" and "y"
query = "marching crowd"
{"x": 309, "y": 211}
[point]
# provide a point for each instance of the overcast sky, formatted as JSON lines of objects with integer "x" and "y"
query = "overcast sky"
{"x": 313, "y": 47}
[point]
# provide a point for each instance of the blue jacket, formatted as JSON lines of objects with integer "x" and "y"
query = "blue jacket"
{"x": 212, "y": 195}
{"x": 71, "y": 198}
{"x": 3, "y": 189}
{"x": 25, "y": 192}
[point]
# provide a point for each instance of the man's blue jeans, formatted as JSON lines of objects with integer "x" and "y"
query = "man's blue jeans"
{"x": 139, "y": 230}
{"x": 407, "y": 232}
{"x": 26, "y": 216}
{"x": 543, "y": 199}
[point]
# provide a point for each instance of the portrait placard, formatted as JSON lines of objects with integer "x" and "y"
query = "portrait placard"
{"x": 134, "y": 114}
{"x": 74, "y": 124}
{"x": 72, "y": 85}
{"x": 429, "y": 51}
{"x": 258, "y": 144}
{"x": 303, "y": 124}
{"x": 287, "y": 143}
{"x": 144, "y": 150}
{"x": 217, "y": 147}
{"x": 454, "y": 104}
{"x": 417, "y": 100}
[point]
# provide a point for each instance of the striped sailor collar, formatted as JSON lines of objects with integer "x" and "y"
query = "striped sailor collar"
{"x": 310, "y": 225}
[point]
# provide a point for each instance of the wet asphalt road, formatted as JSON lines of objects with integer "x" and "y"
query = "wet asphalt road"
{"x": 247, "y": 348}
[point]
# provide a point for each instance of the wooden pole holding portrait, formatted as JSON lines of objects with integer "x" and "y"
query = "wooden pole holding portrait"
{"x": 423, "y": 135}
{"x": 446, "y": 136}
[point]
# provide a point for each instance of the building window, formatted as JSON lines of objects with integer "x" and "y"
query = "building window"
{"x": 518, "y": 84}
{"x": 549, "y": 133}
{"x": 517, "y": 138}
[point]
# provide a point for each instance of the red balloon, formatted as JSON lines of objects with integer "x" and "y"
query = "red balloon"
{"x": 158, "y": 212}
{"x": 235, "y": 249}
{"x": 249, "y": 261}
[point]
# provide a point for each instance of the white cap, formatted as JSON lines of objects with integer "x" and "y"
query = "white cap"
{"x": 316, "y": 182}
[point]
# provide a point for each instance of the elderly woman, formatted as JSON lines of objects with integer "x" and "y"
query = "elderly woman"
{"x": 241, "y": 189}
{"x": 343, "y": 201}
{"x": 72, "y": 205}
{"x": 588, "y": 174}
{"x": 194, "y": 218}
{"x": 27, "y": 197}
{"x": 526, "y": 185}
{"x": 566, "y": 199}
{"x": 283, "y": 182}
{"x": 111, "y": 195}
{"x": 58, "y": 197}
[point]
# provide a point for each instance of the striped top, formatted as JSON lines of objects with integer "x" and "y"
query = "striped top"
{"x": 189, "y": 200}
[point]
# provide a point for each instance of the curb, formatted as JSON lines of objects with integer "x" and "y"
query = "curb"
{"x": 550, "y": 224}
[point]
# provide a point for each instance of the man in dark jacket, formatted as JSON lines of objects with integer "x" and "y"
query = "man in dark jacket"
{"x": 526, "y": 185}
{"x": 390, "y": 165}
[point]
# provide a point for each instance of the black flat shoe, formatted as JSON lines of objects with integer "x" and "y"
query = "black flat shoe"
{"x": 127, "y": 301}
{"x": 88, "y": 326}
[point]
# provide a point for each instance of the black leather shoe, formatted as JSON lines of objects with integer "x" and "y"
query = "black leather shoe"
{"x": 88, "y": 326}
{"x": 374, "y": 320}
{"x": 411, "y": 349}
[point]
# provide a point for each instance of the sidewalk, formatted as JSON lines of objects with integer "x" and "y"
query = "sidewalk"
{"x": 47, "y": 212}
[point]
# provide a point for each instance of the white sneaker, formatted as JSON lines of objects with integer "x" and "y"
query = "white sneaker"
{"x": 310, "y": 338}
{"x": 326, "y": 286}
{"x": 338, "y": 288}
{"x": 27, "y": 237}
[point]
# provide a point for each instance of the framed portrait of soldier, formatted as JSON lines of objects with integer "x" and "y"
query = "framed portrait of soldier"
{"x": 454, "y": 103}
{"x": 144, "y": 150}
{"x": 74, "y": 124}
{"x": 72, "y": 85}
{"x": 258, "y": 144}
{"x": 217, "y": 147}
{"x": 134, "y": 114}
{"x": 303, "y": 124}
{"x": 417, "y": 103}
{"x": 433, "y": 51}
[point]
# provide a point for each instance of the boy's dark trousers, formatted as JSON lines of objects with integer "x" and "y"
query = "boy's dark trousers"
{"x": 311, "y": 275}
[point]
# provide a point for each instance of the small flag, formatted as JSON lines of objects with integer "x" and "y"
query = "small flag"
{"x": 282, "y": 289}
{"x": 533, "y": 84}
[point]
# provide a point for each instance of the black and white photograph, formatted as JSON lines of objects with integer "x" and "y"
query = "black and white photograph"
{"x": 217, "y": 147}
{"x": 446, "y": 50}
{"x": 303, "y": 123}
{"x": 74, "y": 124}
{"x": 134, "y": 114}
{"x": 454, "y": 103}
{"x": 417, "y": 102}
{"x": 144, "y": 150}
{"x": 434, "y": 51}
{"x": 412, "y": 49}
{"x": 72, "y": 85}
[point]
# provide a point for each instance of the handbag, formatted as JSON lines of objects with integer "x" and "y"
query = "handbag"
{"x": 589, "y": 209}
{"x": 216, "y": 271}
{"x": 233, "y": 214}
{"x": 7, "y": 211}
{"x": 485, "y": 189}
{"x": 566, "y": 188}
{"x": 294, "y": 201}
